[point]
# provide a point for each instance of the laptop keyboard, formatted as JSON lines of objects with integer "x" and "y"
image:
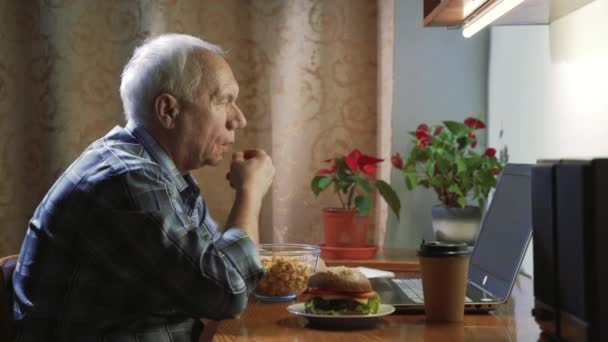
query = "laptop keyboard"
{"x": 412, "y": 287}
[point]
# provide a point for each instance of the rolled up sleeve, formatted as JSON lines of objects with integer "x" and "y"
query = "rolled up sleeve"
{"x": 239, "y": 249}
{"x": 140, "y": 230}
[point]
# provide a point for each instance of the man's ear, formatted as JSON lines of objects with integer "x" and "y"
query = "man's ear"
{"x": 167, "y": 109}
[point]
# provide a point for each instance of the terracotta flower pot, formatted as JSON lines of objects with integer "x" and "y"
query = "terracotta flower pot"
{"x": 344, "y": 228}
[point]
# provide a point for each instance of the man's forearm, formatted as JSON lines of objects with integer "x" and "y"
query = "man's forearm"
{"x": 245, "y": 214}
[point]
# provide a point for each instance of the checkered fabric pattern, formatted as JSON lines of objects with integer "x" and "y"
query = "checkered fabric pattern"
{"x": 122, "y": 248}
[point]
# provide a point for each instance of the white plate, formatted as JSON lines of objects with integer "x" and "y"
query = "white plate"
{"x": 341, "y": 321}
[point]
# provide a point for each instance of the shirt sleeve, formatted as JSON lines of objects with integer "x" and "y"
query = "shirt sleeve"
{"x": 139, "y": 230}
{"x": 205, "y": 219}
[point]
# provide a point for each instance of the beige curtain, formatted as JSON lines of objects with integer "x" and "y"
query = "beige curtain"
{"x": 315, "y": 79}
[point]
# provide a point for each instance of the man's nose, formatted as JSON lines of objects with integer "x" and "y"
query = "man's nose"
{"x": 237, "y": 118}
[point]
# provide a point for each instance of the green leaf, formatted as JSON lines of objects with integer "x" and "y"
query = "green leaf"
{"x": 463, "y": 142}
{"x": 456, "y": 128}
{"x": 409, "y": 168}
{"x": 363, "y": 204}
{"x": 364, "y": 184}
{"x": 430, "y": 167}
{"x": 462, "y": 201}
{"x": 442, "y": 165}
{"x": 408, "y": 183}
{"x": 320, "y": 183}
{"x": 461, "y": 166}
{"x": 455, "y": 189}
{"x": 481, "y": 203}
{"x": 342, "y": 167}
{"x": 389, "y": 195}
{"x": 344, "y": 182}
{"x": 436, "y": 181}
{"x": 411, "y": 180}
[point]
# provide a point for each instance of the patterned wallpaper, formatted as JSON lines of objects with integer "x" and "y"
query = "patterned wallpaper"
{"x": 308, "y": 71}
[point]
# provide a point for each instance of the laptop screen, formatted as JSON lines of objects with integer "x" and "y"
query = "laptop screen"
{"x": 505, "y": 232}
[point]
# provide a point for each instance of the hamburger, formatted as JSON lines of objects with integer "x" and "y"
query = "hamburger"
{"x": 341, "y": 291}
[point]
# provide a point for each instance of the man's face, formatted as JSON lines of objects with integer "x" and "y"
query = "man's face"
{"x": 207, "y": 126}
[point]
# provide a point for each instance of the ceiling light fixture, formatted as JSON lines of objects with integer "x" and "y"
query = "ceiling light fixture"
{"x": 486, "y": 15}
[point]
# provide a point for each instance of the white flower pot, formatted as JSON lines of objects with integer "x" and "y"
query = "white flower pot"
{"x": 456, "y": 224}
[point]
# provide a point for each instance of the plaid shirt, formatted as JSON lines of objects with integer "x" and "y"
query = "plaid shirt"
{"x": 122, "y": 248}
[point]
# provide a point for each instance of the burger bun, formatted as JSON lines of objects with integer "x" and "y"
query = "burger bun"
{"x": 340, "y": 279}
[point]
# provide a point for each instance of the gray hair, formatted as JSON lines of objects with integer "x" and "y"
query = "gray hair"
{"x": 161, "y": 64}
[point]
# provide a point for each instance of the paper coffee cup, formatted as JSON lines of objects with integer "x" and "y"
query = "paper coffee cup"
{"x": 445, "y": 268}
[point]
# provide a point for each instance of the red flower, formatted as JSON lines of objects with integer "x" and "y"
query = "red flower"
{"x": 422, "y": 133}
{"x": 367, "y": 160}
{"x": 423, "y": 138}
{"x": 368, "y": 164}
{"x": 438, "y": 130}
{"x": 422, "y": 127}
{"x": 490, "y": 152}
{"x": 370, "y": 169}
{"x": 354, "y": 178}
{"x": 473, "y": 123}
{"x": 424, "y": 142}
{"x": 474, "y": 143}
{"x": 359, "y": 161}
{"x": 329, "y": 160}
{"x": 352, "y": 160}
{"x": 397, "y": 161}
{"x": 327, "y": 171}
{"x": 495, "y": 171}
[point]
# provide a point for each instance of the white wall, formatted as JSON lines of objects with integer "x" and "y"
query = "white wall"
{"x": 439, "y": 75}
{"x": 547, "y": 88}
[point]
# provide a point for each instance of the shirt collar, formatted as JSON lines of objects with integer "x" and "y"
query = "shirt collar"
{"x": 159, "y": 155}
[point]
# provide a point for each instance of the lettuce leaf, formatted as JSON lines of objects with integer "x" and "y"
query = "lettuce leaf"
{"x": 372, "y": 306}
{"x": 309, "y": 305}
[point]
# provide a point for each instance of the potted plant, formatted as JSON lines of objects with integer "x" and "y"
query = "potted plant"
{"x": 352, "y": 178}
{"x": 443, "y": 158}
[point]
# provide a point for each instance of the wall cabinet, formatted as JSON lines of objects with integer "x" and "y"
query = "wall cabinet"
{"x": 453, "y": 13}
{"x": 449, "y": 12}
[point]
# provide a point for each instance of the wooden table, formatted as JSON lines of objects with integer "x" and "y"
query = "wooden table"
{"x": 272, "y": 322}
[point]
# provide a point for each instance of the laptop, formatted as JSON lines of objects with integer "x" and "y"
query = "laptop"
{"x": 501, "y": 244}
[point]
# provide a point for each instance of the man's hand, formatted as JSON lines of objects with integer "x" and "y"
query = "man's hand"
{"x": 251, "y": 172}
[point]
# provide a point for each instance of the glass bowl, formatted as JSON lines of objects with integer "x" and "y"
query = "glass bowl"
{"x": 288, "y": 267}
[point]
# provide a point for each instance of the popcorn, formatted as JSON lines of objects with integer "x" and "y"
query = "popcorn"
{"x": 284, "y": 276}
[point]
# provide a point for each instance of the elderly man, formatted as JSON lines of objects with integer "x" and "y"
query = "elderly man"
{"x": 123, "y": 248}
